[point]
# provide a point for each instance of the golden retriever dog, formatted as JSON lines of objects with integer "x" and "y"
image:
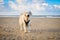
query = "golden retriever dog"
{"x": 24, "y": 21}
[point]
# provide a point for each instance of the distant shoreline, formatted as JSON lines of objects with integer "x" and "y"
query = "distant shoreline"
{"x": 34, "y": 16}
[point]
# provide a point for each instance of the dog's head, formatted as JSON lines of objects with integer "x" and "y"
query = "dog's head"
{"x": 27, "y": 14}
{"x": 27, "y": 17}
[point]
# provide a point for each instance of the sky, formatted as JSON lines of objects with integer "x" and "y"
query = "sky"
{"x": 37, "y": 7}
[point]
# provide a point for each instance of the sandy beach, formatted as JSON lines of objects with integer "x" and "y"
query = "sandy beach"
{"x": 42, "y": 29}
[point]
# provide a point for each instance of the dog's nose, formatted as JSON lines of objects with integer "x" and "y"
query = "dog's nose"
{"x": 27, "y": 15}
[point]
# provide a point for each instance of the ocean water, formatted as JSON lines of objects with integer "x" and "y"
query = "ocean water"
{"x": 34, "y": 16}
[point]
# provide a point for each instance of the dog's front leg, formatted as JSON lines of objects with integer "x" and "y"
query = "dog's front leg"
{"x": 25, "y": 28}
{"x": 29, "y": 27}
{"x": 21, "y": 27}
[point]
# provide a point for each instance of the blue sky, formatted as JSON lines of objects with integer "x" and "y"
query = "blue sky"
{"x": 52, "y": 2}
{"x": 37, "y": 7}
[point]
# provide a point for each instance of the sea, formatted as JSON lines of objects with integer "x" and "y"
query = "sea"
{"x": 34, "y": 16}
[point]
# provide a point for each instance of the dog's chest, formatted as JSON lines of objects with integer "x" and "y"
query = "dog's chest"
{"x": 27, "y": 22}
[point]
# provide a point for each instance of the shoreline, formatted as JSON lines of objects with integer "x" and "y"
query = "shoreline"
{"x": 31, "y": 17}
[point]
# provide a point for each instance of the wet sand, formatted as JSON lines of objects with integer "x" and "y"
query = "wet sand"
{"x": 42, "y": 29}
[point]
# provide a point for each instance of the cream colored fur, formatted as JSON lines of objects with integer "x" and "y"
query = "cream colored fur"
{"x": 22, "y": 24}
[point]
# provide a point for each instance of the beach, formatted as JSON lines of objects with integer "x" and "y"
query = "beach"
{"x": 41, "y": 29}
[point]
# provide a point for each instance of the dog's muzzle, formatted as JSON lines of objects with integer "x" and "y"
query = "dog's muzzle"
{"x": 27, "y": 15}
{"x": 27, "y": 22}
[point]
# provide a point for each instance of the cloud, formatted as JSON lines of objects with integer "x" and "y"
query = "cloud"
{"x": 23, "y": 7}
{"x": 1, "y": 1}
{"x": 9, "y": 13}
{"x": 21, "y": 1}
{"x": 37, "y": 6}
{"x": 34, "y": 7}
{"x": 38, "y": 1}
{"x": 57, "y": 6}
{"x": 1, "y": 7}
{"x": 13, "y": 5}
{"x": 20, "y": 7}
{"x": 44, "y": 4}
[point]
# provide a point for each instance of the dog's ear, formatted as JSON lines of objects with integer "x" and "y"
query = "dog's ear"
{"x": 30, "y": 13}
{"x": 25, "y": 13}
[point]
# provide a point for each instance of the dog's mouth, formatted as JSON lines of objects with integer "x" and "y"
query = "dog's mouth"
{"x": 26, "y": 22}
